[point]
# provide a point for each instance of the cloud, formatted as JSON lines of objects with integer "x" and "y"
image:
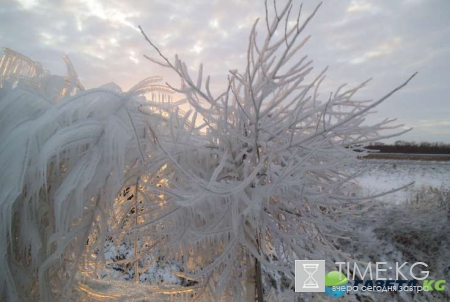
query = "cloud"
{"x": 386, "y": 39}
{"x": 385, "y": 48}
{"x": 434, "y": 123}
{"x": 28, "y": 4}
{"x": 360, "y": 6}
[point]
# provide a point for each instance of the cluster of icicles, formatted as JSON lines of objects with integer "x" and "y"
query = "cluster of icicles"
{"x": 100, "y": 186}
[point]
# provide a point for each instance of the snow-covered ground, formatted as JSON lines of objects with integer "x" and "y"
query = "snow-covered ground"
{"x": 386, "y": 175}
{"x": 380, "y": 176}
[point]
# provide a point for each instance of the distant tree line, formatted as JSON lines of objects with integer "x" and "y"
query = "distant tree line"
{"x": 411, "y": 147}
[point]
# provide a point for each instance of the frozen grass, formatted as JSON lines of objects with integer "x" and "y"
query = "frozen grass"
{"x": 412, "y": 225}
{"x": 385, "y": 175}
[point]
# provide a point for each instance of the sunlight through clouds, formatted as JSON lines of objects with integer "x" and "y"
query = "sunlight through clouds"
{"x": 132, "y": 57}
{"x": 104, "y": 12}
{"x": 359, "y": 6}
{"x": 79, "y": 24}
{"x": 214, "y": 23}
{"x": 28, "y": 4}
{"x": 197, "y": 47}
{"x": 383, "y": 49}
{"x": 384, "y": 39}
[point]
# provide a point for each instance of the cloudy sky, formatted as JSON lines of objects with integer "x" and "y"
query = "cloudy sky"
{"x": 385, "y": 39}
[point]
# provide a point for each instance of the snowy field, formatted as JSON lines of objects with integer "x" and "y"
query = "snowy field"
{"x": 380, "y": 176}
{"x": 386, "y": 175}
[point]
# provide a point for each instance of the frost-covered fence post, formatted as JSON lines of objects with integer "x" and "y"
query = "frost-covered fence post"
{"x": 265, "y": 154}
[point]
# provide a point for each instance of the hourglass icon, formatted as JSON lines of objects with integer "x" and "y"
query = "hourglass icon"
{"x": 310, "y": 276}
{"x": 310, "y": 269}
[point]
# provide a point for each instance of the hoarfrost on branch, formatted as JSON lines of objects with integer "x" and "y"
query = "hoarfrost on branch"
{"x": 250, "y": 179}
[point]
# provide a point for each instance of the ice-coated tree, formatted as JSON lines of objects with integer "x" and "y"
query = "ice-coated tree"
{"x": 100, "y": 185}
